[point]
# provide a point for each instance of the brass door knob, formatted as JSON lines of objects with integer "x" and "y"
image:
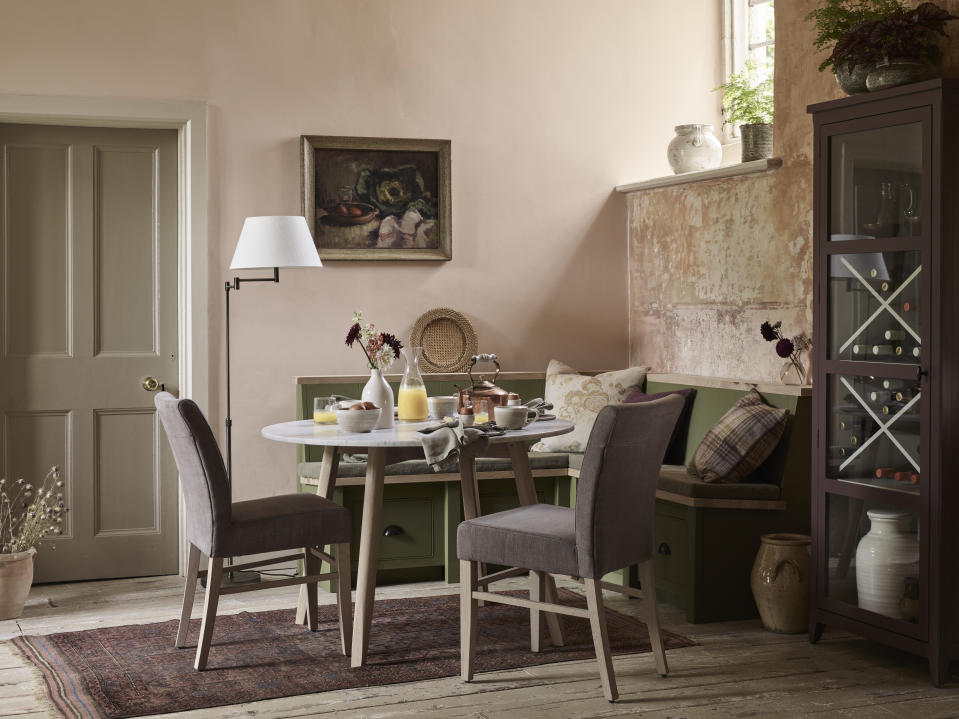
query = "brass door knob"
{"x": 151, "y": 384}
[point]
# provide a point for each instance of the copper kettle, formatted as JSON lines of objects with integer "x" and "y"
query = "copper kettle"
{"x": 482, "y": 394}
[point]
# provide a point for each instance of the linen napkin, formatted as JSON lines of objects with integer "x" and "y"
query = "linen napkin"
{"x": 443, "y": 442}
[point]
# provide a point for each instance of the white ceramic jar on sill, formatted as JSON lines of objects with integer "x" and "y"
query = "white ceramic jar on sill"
{"x": 694, "y": 148}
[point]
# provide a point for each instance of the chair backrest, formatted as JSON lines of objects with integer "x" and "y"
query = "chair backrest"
{"x": 206, "y": 487}
{"x": 616, "y": 489}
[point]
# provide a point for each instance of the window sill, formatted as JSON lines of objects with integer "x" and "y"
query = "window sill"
{"x": 739, "y": 168}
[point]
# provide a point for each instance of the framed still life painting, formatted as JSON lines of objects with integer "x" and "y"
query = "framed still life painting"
{"x": 370, "y": 198}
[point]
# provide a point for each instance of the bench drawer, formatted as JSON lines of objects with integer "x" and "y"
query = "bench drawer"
{"x": 672, "y": 558}
{"x": 413, "y": 519}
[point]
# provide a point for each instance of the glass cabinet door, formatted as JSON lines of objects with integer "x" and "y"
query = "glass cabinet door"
{"x": 871, "y": 478}
{"x": 876, "y": 183}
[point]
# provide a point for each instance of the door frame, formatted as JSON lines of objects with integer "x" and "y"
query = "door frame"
{"x": 189, "y": 119}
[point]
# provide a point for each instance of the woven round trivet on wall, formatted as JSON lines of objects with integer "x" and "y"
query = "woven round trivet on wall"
{"x": 447, "y": 338}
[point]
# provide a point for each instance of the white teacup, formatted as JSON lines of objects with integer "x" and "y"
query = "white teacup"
{"x": 515, "y": 417}
{"x": 441, "y": 407}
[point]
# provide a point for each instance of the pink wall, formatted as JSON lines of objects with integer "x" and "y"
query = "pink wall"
{"x": 548, "y": 103}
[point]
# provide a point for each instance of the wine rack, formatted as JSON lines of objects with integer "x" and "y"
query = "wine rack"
{"x": 885, "y": 387}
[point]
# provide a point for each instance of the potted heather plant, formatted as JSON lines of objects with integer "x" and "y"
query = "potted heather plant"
{"x": 790, "y": 349}
{"x": 833, "y": 20}
{"x": 28, "y": 514}
{"x": 748, "y": 102}
{"x": 902, "y": 46}
{"x": 380, "y": 349}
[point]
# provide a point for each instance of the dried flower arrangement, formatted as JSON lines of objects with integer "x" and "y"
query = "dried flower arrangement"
{"x": 380, "y": 348}
{"x": 28, "y": 513}
{"x": 786, "y": 347}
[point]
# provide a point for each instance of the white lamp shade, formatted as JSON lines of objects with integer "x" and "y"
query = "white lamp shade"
{"x": 275, "y": 241}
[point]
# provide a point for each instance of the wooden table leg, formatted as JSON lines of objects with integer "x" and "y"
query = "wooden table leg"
{"x": 369, "y": 551}
{"x": 526, "y": 489}
{"x": 325, "y": 487}
{"x": 469, "y": 488}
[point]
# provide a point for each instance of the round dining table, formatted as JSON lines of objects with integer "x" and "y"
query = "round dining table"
{"x": 403, "y": 442}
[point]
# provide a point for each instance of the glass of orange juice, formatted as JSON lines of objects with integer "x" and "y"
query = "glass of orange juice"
{"x": 324, "y": 410}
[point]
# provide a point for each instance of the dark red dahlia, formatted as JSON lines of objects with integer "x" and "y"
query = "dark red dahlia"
{"x": 394, "y": 344}
{"x": 353, "y": 334}
{"x": 785, "y": 347}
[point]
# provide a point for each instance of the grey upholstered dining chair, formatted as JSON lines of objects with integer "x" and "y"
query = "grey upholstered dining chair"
{"x": 220, "y": 528}
{"x": 610, "y": 528}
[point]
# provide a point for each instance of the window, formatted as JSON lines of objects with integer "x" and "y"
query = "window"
{"x": 749, "y": 34}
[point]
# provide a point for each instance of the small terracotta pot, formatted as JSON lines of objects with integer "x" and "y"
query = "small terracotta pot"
{"x": 16, "y": 576}
{"x": 780, "y": 582}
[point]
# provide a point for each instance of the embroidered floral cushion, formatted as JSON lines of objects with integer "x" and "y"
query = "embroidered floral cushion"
{"x": 740, "y": 441}
{"x": 579, "y": 398}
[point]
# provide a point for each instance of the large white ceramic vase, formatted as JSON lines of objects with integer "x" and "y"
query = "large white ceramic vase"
{"x": 694, "y": 148}
{"x": 379, "y": 392}
{"x": 884, "y": 558}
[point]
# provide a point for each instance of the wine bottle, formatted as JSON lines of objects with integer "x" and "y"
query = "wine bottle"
{"x": 910, "y": 306}
{"x": 883, "y": 286}
{"x": 885, "y": 350}
{"x": 880, "y": 396}
{"x": 915, "y": 351}
{"x": 893, "y": 384}
{"x": 848, "y": 438}
{"x": 885, "y": 473}
{"x": 892, "y": 408}
{"x": 902, "y": 476}
{"x": 860, "y": 349}
{"x": 914, "y": 478}
{"x": 838, "y": 452}
{"x": 894, "y": 335}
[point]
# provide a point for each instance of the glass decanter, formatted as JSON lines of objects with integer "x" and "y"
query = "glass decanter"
{"x": 411, "y": 403}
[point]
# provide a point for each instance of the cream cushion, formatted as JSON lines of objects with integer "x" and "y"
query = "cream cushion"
{"x": 579, "y": 398}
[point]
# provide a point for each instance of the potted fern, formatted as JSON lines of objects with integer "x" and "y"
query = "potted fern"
{"x": 834, "y": 20}
{"x": 748, "y": 102}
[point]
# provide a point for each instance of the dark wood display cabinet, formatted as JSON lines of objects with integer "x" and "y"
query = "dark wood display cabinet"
{"x": 886, "y": 389}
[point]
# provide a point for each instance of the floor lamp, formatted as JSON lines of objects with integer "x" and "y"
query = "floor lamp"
{"x": 265, "y": 242}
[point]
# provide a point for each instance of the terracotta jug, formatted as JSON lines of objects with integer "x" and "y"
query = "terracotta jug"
{"x": 780, "y": 582}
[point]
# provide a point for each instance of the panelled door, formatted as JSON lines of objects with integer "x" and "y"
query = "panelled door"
{"x": 88, "y": 313}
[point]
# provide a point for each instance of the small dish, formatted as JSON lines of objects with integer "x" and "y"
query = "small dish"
{"x": 357, "y": 420}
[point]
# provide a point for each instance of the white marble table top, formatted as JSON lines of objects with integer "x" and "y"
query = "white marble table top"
{"x": 403, "y": 434}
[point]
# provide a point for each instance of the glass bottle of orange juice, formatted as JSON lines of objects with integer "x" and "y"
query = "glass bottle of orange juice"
{"x": 411, "y": 405}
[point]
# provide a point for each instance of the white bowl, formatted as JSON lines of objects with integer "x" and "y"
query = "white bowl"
{"x": 357, "y": 420}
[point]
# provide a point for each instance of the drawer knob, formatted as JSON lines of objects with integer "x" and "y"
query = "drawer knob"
{"x": 664, "y": 549}
{"x": 392, "y": 531}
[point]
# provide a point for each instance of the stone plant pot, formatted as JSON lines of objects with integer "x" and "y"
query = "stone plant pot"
{"x": 780, "y": 582}
{"x": 852, "y": 81}
{"x": 757, "y": 141}
{"x": 694, "y": 149}
{"x": 16, "y": 576}
{"x": 896, "y": 72}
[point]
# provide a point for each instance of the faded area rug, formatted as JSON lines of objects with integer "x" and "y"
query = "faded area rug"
{"x": 135, "y": 670}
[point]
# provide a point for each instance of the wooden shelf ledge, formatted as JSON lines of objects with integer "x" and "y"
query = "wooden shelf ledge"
{"x": 740, "y": 168}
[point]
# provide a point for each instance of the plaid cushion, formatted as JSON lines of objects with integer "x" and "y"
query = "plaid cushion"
{"x": 740, "y": 441}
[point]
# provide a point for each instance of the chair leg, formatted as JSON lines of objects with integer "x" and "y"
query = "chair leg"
{"x": 311, "y": 565}
{"x": 648, "y": 584}
{"x": 344, "y": 602}
{"x": 301, "y": 606}
{"x": 214, "y": 576}
{"x": 468, "y": 618}
{"x": 537, "y": 587}
{"x": 597, "y": 622}
{"x": 189, "y": 592}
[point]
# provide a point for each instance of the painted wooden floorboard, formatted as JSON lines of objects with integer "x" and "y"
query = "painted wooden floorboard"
{"x": 738, "y": 669}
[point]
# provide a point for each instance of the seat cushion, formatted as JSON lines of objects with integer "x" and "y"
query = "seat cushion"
{"x": 287, "y": 521}
{"x": 539, "y": 536}
{"x": 537, "y": 460}
{"x": 740, "y": 441}
{"x": 678, "y": 480}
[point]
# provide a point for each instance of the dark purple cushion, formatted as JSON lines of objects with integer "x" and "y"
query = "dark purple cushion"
{"x": 675, "y": 451}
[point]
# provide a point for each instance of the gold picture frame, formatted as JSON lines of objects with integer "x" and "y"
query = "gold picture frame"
{"x": 373, "y": 198}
